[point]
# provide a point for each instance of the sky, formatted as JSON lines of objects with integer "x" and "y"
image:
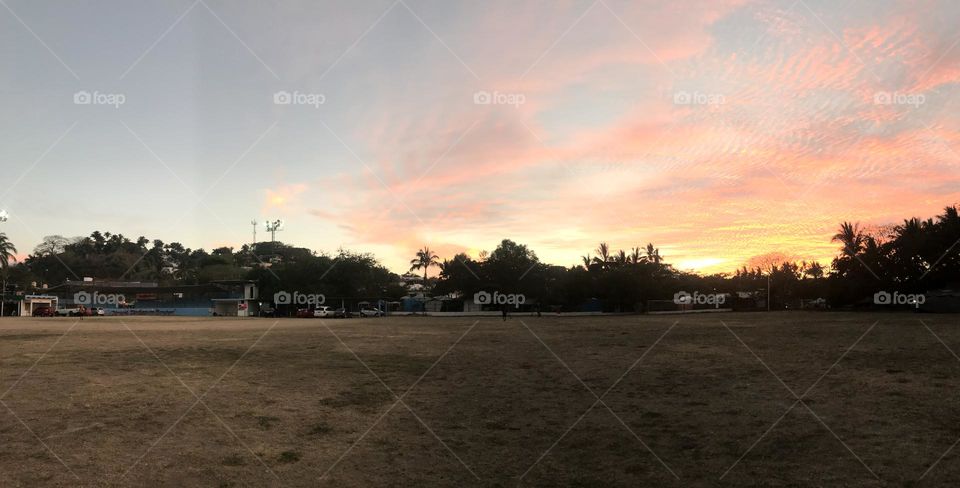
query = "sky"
{"x": 719, "y": 130}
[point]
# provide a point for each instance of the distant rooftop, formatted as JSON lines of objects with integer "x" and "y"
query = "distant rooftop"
{"x": 112, "y": 283}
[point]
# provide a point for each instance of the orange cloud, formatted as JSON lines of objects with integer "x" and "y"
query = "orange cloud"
{"x": 282, "y": 198}
{"x": 797, "y": 146}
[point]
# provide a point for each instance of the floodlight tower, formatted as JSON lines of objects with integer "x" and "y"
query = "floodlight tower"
{"x": 273, "y": 228}
{"x": 254, "y": 224}
{"x": 4, "y": 216}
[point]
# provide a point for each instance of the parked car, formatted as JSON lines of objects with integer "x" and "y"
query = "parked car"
{"x": 322, "y": 312}
{"x": 342, "y": 313}
{"x": 75, "y": 312}
{"x": 370, "y": 312}
{"x": 304, "y": 313}
{"x": 96, "y": 312}
{"x": 44, "y": 312}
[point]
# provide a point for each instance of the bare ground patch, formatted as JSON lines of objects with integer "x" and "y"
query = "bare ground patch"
{"x": 290, "y": 406}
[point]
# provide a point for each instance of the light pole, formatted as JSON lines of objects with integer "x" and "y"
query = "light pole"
{"x": 254, "y": 224}
{"x": 273, "y": 228}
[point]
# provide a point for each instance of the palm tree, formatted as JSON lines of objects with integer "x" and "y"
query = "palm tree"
{"x": 604, "y": 254}
{"x": 852, "y": 238}
{"x": 813, "y": 270}
{"x": 586, "y": 261}
{"x": 635, "y": 256}
{"x": 950, "y": 218}
{"x": 7, "y": 252}
{"x": 909, "y": 242}
{"x": 944, "y": 236}
{"x": 653, "y": 254}
{"x": 424, "y": 260}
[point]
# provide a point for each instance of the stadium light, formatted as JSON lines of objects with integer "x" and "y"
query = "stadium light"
{"x": 273, "y": 228}
{"x": 4, "y": 216}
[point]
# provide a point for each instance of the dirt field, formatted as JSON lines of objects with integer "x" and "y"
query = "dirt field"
{"x": 256, "y": 402}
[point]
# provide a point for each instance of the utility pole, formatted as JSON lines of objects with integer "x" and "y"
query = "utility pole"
{"x": 254, "y": 224}
{"x": 768, "y": 292}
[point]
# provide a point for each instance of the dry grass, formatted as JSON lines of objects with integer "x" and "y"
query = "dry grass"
{"x": 284, "y": 407}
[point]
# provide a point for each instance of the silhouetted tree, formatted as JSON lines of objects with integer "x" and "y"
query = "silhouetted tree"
{"x": 424, "y": 259}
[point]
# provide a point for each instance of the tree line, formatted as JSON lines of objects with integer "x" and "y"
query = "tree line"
{"x": 913, "y": 256}
{"x": 274, "y": 265}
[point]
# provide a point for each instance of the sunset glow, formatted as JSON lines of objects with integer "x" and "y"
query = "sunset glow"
{"x": 718, "y": 131}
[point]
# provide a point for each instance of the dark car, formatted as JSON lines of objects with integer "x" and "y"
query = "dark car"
{"x": 304, "y": 313}
{"x": 268, "y": 311}
{"x": 342, "y": 313}
{"x": 44, "y": 312}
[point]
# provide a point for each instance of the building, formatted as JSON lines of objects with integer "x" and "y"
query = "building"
{"x": 29, "y": 303}
{"x": 228, "y": 298}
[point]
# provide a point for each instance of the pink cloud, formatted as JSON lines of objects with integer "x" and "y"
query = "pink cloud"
{"x": 769, "y": 170}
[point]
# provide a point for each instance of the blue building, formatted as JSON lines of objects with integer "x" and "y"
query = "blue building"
{"x": 227, "y": 298}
